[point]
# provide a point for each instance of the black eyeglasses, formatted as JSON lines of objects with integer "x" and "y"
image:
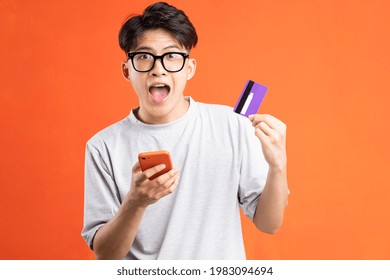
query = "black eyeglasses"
{"x": 171, "y": 61}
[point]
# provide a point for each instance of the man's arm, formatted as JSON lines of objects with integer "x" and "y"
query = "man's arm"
{"x": 273, "y": 200}
{"x": 114, "y": 239}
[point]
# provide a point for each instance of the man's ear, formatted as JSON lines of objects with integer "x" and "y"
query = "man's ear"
{"x": 191, "y": 68}
{"x": 125, "y": 71}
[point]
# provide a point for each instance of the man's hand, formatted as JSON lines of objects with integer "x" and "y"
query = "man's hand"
{"x": 272, "y": 135}
{"x": 144, "y": 192}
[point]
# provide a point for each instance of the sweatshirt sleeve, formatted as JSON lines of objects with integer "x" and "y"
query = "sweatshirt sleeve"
{"x": 253, "y": 169}
{"x": 101, "y": 195}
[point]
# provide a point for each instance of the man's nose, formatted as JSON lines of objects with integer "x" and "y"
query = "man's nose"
{"x": 158, "y": 68}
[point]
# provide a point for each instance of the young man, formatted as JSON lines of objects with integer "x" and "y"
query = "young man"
{"x": 223, "y": 161}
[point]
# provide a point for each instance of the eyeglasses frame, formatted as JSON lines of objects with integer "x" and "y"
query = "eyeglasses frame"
{"x": 131, "y": 55}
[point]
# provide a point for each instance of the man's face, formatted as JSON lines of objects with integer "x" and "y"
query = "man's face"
{"x": 159, "y": 91}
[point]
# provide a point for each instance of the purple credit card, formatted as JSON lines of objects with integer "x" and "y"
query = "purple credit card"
{"x": 250, "y": 99}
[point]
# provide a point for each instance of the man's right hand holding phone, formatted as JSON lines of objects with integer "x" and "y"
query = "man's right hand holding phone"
{"x": 144, "y": 192}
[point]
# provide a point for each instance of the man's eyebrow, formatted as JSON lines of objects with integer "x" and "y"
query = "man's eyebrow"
{"x": 172, "y": 47}
{"x": 145, "y": 48}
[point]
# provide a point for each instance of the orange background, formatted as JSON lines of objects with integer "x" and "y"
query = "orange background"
{"x": 326, "y": 64}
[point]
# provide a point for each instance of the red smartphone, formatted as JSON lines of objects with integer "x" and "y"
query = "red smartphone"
{"x": 150, "y": 159}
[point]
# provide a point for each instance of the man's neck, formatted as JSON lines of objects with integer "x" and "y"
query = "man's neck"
{"x": 175, "y": 114}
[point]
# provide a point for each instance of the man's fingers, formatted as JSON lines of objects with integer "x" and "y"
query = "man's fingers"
{"x": 136, "y": 167}
{"x": 265, "y": 121}
{"x": 264, "y": 127}
{"x": 162, "y": 179}
{"x": 163, "y": 185}
{"x": 169, "y": 187}
{"x": 271, "y": 121}
{"x": 153, "y": 170}
{"x": 138, "y": 175}
{"x": 258, "y": 118}
{"x": 261, "y": 135}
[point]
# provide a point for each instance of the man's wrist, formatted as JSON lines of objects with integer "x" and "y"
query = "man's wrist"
{"x": 277, "y": 168}
{"x": 133, "y": 204}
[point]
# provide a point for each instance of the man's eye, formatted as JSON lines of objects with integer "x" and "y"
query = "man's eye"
{"x": 173, "y": 56}
{"x": 144, "y": 56}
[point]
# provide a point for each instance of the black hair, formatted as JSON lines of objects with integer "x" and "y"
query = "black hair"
{"x": 158, "y": 15}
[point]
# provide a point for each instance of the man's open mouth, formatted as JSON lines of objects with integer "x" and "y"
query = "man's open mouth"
{"x": 159, "y": 92}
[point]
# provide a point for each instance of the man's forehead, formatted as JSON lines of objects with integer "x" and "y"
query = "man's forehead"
{"x": 157, "y": 40}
